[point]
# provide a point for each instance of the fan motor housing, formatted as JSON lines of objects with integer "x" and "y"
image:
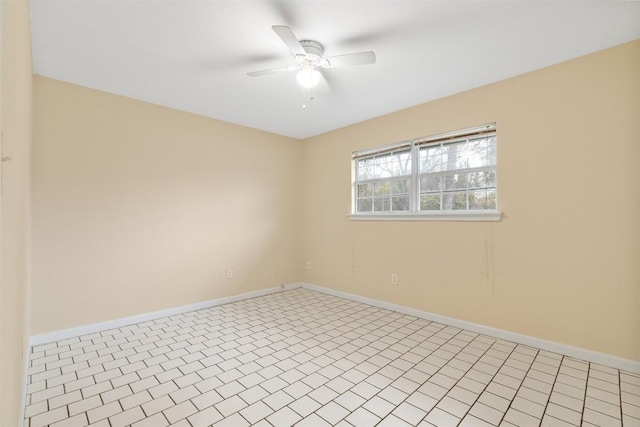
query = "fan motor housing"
{"x": 314, "y": 50}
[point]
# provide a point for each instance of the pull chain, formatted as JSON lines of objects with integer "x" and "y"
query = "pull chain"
{"x": 304, "y": 96}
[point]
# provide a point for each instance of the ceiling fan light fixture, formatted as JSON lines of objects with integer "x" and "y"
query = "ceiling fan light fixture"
{"x": 308, "y": 55}
{"x": 307, "y": 77}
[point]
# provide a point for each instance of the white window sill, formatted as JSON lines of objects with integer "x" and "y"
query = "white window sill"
{"x": 479, "y": 215}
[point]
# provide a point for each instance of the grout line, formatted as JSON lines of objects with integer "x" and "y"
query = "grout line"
{"x": 542, "y": 344}
{"x": 619, "y": 394}
{"x": 279, "y": 325}
{"x": 553, "y": 385}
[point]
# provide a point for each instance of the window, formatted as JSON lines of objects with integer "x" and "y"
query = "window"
{"x": 446, "y": 176}
{"x": 383, "y": 182}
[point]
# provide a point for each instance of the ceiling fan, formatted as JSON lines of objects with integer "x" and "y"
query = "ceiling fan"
{"x": 308, "y": 57}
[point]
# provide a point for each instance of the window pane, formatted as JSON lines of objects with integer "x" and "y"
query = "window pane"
{"x": 365, "y": 190}
{"x": 381, "y": 204}
{"x": 384, "y": 166}
{"x": 477, "y": 179}
{"x": 476, "y": 152}
{"x": 454, "y": 156}
{"x": 364, "y": 169}
{"x": 431, "y": 159}
{"x": 478, "y": 144}
{"x": 385, "y": 188}
{"x": 478, "y": 199}
{"x": 491, "y": 199}
{"x": 382, "y": 188}
{"x": 490, "y": 179}
{"x": 400, "y": 203}
{"x": 454, "y": 200}
{"x": 484, "y": 199}
{"x": 455, "y": 181}
{"x": 460, "y": 154}
{"x": 430, "y": 202}
{"x": 430, "y": 183}
{"x": 400, "y": 187}
{"x": 491, "y": 152}
{"x": 402, "y": 164}
{"x": 365, "y": 205}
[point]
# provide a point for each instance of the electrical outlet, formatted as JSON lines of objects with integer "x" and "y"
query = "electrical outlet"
{"x": 308, "y": 265}
{"x": 394, "y": 279}
{"x": 229, "y": 273}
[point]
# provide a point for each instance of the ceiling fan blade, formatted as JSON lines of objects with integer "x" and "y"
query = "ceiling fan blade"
{"x": 290, "y": 39}
{"x": 323, "y": 86}
{"x": 272, "y": 71}
{"x": 361, "y": 58}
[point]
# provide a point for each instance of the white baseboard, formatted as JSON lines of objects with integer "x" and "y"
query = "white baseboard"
{"x": 125, "y": 321}
{"x": 567, "y": 350}
{"x": 555, "y": 347}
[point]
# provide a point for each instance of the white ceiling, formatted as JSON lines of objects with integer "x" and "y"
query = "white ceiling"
{"x": 194, "y": 55}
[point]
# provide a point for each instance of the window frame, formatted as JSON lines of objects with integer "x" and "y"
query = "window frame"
{"x": 414, "y": 146}
{"x": 397, "y": 150}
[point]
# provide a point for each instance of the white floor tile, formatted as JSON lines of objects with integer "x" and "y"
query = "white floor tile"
{"x": 316, "y": 360}
{"x": 48, "y": 417}
{"x": 332, "y": 412}
{"x": 441, "y": 418}
{"x": 256, "y": 412}
{"x": 313, "y": 420}
{"x": 127, "y": 417}
{"x": 284, "y": 417}
{"x": 79, "y": 420}
{"x": 409, "y": 413}
{"x": 180, "y": 411}
{"x": 362, "y": 418}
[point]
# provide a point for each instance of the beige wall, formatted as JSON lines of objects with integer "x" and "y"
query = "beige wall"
{"x": 15, "y": 215}
{"x": 138, "y": 208}
{"x": 562, "y": 265}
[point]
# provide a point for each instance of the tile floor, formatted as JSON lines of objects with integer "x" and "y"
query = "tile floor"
{"x": 310, "y": 359}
